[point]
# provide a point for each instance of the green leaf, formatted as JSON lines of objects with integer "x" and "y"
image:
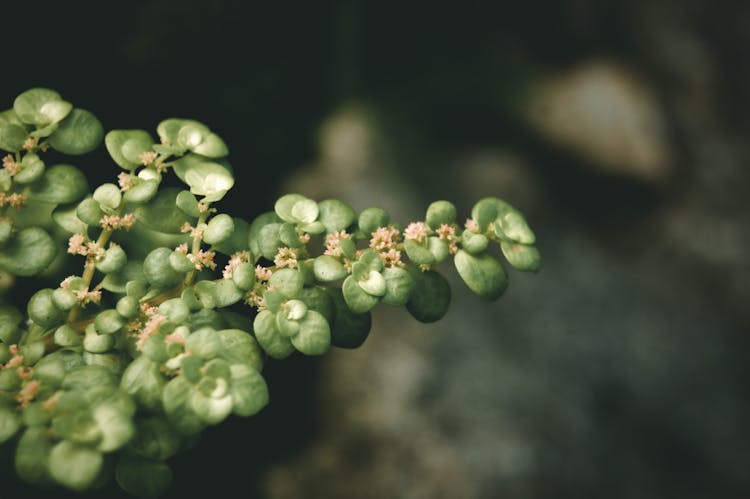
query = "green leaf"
{"x": 60, "y": 184}
{"x": 431, "y": 296}
{"x": 114, "y": 260}
{"x": 521, "y": 256}
{"x": 9, "y": 319}
{"x": 314, "y": 337}
{"x": 32, "y": 456}
{"x": 439, "y": 213}
{"x": 175, "y": 309}
{"x": 127, "y": 146}
{"x": 80, "y": 132}
{"x": 65, "y": 217}
{"x": 42, "y": 309}
{"x": 348, "y": 329}
{"x": 204, "y": 343}
{"x": 162, "y": 214}
{"x": 287, "y": 281}
{"x": 248, "y": 390}
{"x": 89, "y": 377}
{"x": 32, "y": 169}
{"x": 66, "y": 336}
{"x": 275, "y": 345}
{"x": 238, "y": 346}
{"x": 74, "y": 466}
{"x": 254, "y": 237}
{"x": 284, "y": 205}
{"x": 243, "y": 276}
{"x": 142, "y": 477}
{"x": 335, "y": 215}
{"x": 108, "y": 321}
{"x": 210, "y": 409}
{"x": 142, "y": 191}
{"x": 211, "y": 179}
{"x": 158, "y": 271}
{"x": 10, "y": 422}
{"x": 484, "y": 212}
{"x": 226, "y": 293}
{"x": 88, "y": 212}
{"x": 116, "y": 427}
{"x": 176, "y": 400}
{"x": 328, "y": 269}
{"x": 305, "y": 211}
{"x": 186, "y": 202}
{"x": 205, "y": 293}
{"x": 29, "y": 253}
{"x": 511, "y": 224}
{"x": 97, "y": 343}
{"x": 357, "y": 299}
{"x": 399, "y": 286}
{"x": 372, "y": 218}
{"x": 419, "y": 253}
{"x": 237, "y": 240}
{"x": 482, "y": 274}
{"x": 219, "y": 229}
{"x": 474, "y": 243}
{"x": 374, "y": 284}
{"x": 12, "y": 132}
{"x": 41, "y": 106}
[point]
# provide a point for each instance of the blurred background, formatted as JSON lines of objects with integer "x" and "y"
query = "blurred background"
{"x": 619, "y": 128}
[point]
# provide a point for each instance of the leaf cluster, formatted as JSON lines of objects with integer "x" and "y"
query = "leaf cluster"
{"x": 166, "y": 327}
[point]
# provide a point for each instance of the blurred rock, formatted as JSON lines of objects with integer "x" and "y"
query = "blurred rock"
{"x": 606, "y": 113}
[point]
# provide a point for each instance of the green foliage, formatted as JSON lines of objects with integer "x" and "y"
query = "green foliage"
{"x": 112, "y": 371}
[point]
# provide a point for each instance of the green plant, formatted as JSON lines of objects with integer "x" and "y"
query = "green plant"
{"x": 166, "y": 328}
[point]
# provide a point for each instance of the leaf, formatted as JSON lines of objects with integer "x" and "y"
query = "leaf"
{"x": 328, "y": 268}
{"x": 60, "y": 184}
{"x": 372, "y": 218}
{"x": 254, "y": 237}
{"x": 41, "y": 106}
{"x": 155, "y": 439}
{"x": 474, "y": 243}
{"x": 142, "y": 477}
{"x": 521, "y": 256}
{"x": 482, "y": 274}
{"x": 431, "y": 296}
{"x": 219, "y": 229}
{"x": 374, "y": 284}
{"x": 143, "y": 380}
{"x": 335, "y": 215}
{"x": 42, "y": 309}
{"x": 116, "y": 427}
{"x": 287, "y": 281}
{"x": 12, "y": 132}
{"x": 80, "y": 132}
{"x": 10, "y": 422}
{"x": 158, "y": 271}
{"x": 74, "y": 466}
{"x": 418, "y": 253}
{"x": 243, "y": 276}
{"x": 284, "y": 205}
{"x": 314, "y": 337}
{"x": 32, "y": 169}
{"x": 32, "y": 456}
{"x": 248, "y": 390}
{"x": 348, "y": 329}
{"x": 176, "y": 400}
{"x": 142, "y": 191}
{"x": 29, "y": 253}
{"x": 484, "y": 212}
{"x": 399, "y": 285}
{"x": 211, "y": 179}
{"x": 238, "y": 346}
{"x": 211, "y": 410}
{"x": 439, "y": 213}
{"x": 357, "y": 299}
{"x": 275, "y": 345}
{"x": 126, "y": 147}
{"x": 161, "y": 213}
{"x": 204, "y": 342}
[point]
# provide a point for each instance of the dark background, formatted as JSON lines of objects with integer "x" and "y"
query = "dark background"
{"x": 621, "y": 367}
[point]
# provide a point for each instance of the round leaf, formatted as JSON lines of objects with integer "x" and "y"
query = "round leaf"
{"x": 521, "y": 256}
{"x": 127, "y": 146}
{"x": 219, "y": 229}
{"x": 357, "y": 299}
{"x": 29, "y": 253}
{"x": 328, "y": 268}
{"x": 41, "y": 106}
{"x": 314, "y": 335}
{"x": 399, "y": 285}
{"x": 80, "y": 132}
{"x": 211, "y": 179}
{"x": 431, "y": 296}
{"x": 335, "y": 215}
{"x": 60, "y": 184}
{"x": 275, "y": 345}
{"x": 74, "y": 466}
{"x": 248, "y": 390}
{"x": 482, "y": 274}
